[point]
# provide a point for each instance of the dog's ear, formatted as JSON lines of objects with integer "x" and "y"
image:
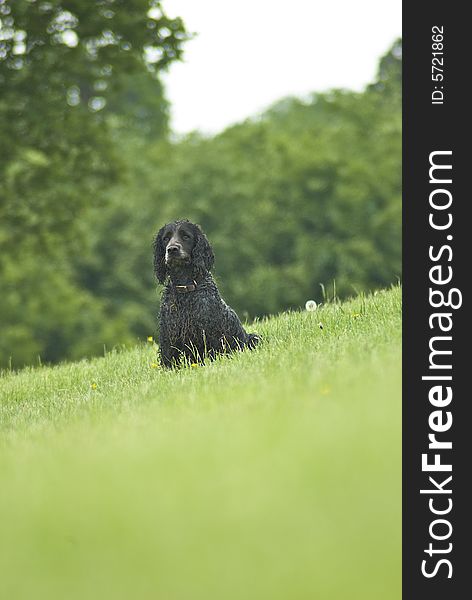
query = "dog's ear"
{"x": 202, "y": 254}
{"x": 160, "y": 268}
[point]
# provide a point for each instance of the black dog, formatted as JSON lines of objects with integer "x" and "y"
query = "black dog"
{"x": 195, "y": 322}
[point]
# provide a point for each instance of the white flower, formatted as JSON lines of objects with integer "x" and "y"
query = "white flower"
{"x": 311, "y": 305}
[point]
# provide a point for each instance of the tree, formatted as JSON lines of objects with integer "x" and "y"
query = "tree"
{"x": 389, "y": 74}
{"x": 61, "y": 62}
{"x": 306, "y": 194}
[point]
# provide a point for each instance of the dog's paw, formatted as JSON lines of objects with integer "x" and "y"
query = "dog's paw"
{"x": 253, "y": 340}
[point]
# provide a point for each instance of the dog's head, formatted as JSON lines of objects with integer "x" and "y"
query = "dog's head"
{"x": 181, "y": 244}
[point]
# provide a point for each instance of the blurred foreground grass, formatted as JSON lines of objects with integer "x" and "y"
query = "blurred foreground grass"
{"x": 274, "y": 474}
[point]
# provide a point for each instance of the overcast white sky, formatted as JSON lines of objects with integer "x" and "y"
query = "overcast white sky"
{"x": 249, "y": 53}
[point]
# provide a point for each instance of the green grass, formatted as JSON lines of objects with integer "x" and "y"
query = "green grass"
{"x": 274, "y": 474}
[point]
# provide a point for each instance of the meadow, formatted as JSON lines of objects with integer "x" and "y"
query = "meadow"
{"x": 273, "y": 474}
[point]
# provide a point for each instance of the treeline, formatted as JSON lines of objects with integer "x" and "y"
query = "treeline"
{"x": 305, "y": 194}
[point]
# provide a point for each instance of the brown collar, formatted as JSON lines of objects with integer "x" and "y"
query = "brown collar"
{"x": 183, "y": 289}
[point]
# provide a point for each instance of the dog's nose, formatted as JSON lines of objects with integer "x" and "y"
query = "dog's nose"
{"x": 174, "y": 249}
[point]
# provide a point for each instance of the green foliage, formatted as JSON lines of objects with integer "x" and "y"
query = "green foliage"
{"x": 137, "y": 107}
{"x": 59, "y": 61}
{"x": 306, "y": 194}
{"x": 389, "y": 76}
{"x": 272, "y": 474}
{"x": 70, "y": 72}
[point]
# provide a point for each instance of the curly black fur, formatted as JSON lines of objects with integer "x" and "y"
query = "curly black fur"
{"x": 195, "y": 322}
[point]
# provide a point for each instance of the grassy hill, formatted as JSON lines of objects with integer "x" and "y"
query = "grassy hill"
{"x": 274, "y": 474}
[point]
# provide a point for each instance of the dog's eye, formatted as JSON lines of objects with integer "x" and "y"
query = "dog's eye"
{"x": 185, "y": 236}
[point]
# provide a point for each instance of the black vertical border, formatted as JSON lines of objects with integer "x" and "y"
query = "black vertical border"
{"x": 426, "y": 128}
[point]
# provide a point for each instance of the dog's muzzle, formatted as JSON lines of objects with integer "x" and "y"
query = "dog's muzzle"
{"x": 174, "y": 253}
